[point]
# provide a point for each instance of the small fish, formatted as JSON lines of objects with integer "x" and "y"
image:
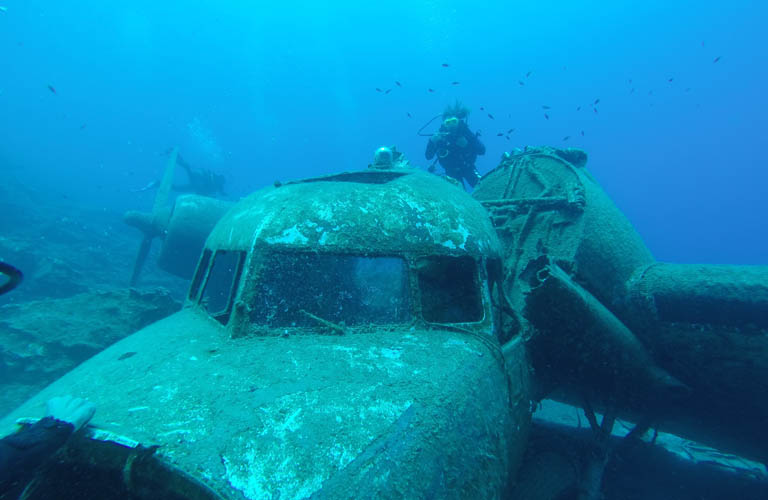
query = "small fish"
{"x": 632, "y": 91}
{"x": 687, "y": 89}
{"x": 528, "y": 74}
{"x": 398, "y": 84}
{"x": 521, "y": 83}
{"x": 409, "y": 115}
{"x": 597, "y": 101}
{"x": 566, "y": 137}
{"x": 455, "y": 83}
{"x": 582, "y": 133}
{"x": 430, "y": 90}
{"x": 630, "y": 81}
{"x": 50, "y": 87}
{"x": 499, "y": 134}
{"x": 82, "y": 127}
{"x": 482, "y": 108}
{"x": 510, "y": 131}
{"x": 388, "y": 91}
{"x": 670, "y": 80}
{"x": 578, "y": 108}
{"x": 595, "y": 110}
{"x": 546, "y": 116}
{"x": 507, "y": 137}
{"x": 716, "y": 59}
{"x": 491, "y": 116}
{"x": 445, "y": 65}
{"x": 126, "y": 355}
{"x": 379, "y": 90}
{"x": 544, "y": 106}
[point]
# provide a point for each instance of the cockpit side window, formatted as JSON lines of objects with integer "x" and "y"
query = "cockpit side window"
{"x": 450, "y": 290}
{"x": 221, "y": 284}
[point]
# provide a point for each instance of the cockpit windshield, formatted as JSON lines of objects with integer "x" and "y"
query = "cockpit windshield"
{"x": 295, "y": 289}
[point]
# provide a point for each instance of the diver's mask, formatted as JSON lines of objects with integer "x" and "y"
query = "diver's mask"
{"x": 451, "y": 124}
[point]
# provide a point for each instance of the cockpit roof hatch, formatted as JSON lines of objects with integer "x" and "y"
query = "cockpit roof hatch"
{"x": 363, "y": 177}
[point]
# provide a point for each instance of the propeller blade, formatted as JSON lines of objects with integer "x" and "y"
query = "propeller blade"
{"x": 146, "y": 244}
{"x": 164, "y": 190}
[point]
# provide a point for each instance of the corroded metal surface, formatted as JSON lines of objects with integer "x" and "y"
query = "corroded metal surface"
{"x": 378, "y": 212}
{"x": 260, "y": 415}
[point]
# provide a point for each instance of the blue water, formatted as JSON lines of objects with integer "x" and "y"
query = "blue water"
{"x": 264, "y": 91}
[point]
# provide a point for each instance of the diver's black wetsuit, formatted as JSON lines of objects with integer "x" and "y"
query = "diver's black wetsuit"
{"x": 457, "y": 150}
{"x": 201, "y": 181}
{"x": 23, "y": 452}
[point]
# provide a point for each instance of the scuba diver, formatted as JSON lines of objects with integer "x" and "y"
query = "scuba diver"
{"x": 456, "y": 146}
{"x": 201, "y": 181}
{"x": 389, "y": 158}
{"x": 23, "y": 452}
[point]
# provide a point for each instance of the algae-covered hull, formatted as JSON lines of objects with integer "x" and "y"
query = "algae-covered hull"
{"x": 378, "y": 413}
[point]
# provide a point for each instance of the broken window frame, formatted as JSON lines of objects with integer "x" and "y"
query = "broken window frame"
{"x": 200, "y": 275}
{"x": 223, "y": 316}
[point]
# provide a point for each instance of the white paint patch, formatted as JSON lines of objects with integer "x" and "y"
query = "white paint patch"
{"x": 464, "y": 235}
{"x": 415, "y": 206}
{"x": 390, "y": 353}
{"x": 449, "y": 244}
{"x": 291, "y": 236}
{"x": 324, "y": 212}
{"x": 253, "y": 477}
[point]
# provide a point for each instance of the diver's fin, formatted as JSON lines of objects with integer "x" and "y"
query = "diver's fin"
{"x": 146, "y": 244}
{"x": 14, "y": 277}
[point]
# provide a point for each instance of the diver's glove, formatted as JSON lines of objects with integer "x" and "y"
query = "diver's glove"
{"x": 75, "y": 411}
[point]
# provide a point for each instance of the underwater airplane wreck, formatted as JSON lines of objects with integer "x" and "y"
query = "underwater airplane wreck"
{"x": 383, "y": 334}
